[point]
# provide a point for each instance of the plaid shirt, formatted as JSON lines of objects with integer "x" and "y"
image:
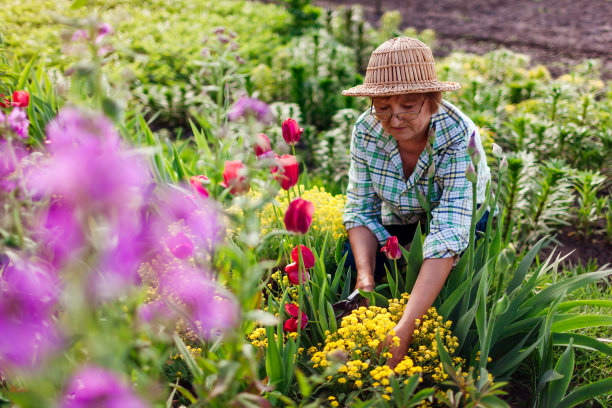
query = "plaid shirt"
{"x": 378, "y": 194}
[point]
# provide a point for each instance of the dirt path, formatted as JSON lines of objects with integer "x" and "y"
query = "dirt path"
{"x": 557, "y": 33}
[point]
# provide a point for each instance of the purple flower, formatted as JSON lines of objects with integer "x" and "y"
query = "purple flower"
{"x": 94, "y": 387}
{"x": 180, "y": 245}
{"x": 18, "y": 121}
{"x": 472, "y": 149}
{"x": 87, "y": 166}
{"x": 103, "y": 31}
{"x": 209, "y": 308}
{"x": 79, "y": 35}
{"x": 61, "y": 232}
{"x": 28, "y": 293}
{"x": 10, "y": 157}
{"x": 246, "y": 106}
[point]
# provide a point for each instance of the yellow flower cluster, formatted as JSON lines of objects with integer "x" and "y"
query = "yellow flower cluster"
{"x": 279, "y": 280}
{"x": 357, "y": 353}
{"x": 259, "y": 340}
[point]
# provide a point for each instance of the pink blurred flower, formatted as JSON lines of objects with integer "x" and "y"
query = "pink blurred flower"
{"x": 18, "y": 121}
{"x": 235, "y": 177}
{"x": 95, "y": 386}
{"x": 262, "y": 144}
{"x": 198, "y": 183}
{"x": 28, "y": 294}
{"x": 21, "y": 99}
{"x": 246, "y": 107}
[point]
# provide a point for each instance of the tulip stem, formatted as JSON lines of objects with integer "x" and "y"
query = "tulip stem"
{"x": 298, "y": 183}
{"x": 300, "y": 291}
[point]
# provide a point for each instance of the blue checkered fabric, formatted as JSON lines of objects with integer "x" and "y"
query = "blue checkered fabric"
{"x": 378, "y": 194}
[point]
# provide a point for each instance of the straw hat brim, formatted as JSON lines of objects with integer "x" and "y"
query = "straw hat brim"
{"x": 400, "y": 89}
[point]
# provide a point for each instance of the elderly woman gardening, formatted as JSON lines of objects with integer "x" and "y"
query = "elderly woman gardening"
{"x": 390, "y": 161}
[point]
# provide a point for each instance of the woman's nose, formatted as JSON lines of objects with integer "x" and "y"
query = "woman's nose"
{"x": 395, "y": 121}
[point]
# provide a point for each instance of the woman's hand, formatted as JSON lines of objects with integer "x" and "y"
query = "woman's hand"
{"x": 398, "y": 352}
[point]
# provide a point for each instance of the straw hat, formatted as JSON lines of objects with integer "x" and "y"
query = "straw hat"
{"x": 401, "y": 65}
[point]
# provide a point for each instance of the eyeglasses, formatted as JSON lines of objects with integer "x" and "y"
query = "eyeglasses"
{"x": 403, "y": 116}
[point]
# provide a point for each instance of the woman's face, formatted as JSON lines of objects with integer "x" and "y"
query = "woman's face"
{"x": 405, "y": 127}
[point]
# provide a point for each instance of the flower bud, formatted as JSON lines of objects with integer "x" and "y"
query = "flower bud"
{"x": 432, "y": 135}
{"x": 431, "y": 171}
{"x": 497, "y": 151}
{"x": 503, "y": 164}
{"x": 472, "y": 149}
{"x": 262, "y": 144}
{"x": 291, "y": 132}
{"x": 299, "y": 216}
{"x": 470, "y": 173}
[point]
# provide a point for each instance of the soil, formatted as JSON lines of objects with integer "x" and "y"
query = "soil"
{"x": 556, "y": 33}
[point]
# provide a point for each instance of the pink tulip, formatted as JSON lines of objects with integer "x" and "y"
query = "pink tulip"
{"x": 299, "y": 216}
{"x": 287, "y": 172}
{"x": 392, "y": 248}
{"x": 262, "y": 144}
{"x": 234, "y": 177}
{"x": 197, "y": 183}
{"x": 291, "y": 132}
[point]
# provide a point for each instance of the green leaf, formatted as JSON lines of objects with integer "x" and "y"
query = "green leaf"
{"x": 346, "y": 290}
{"x": 587, "y": 392}
{"x": 274, "y": 365}
{"x": 77, "y": 4}
{"x": 581, "y": 322}
{"x": 509, "y": 361}
{"x": 582, "y": 341}
{"x": 338, "y": 275}
{"x": 414, "y": 259}
{"x": 523, "y": 268}
{"x": 198, "y": 375}
{"x": 303, "y": 383}
{"x": 565, "y": 367}
{"x": 25, "y": 73}
{"x": 177, "y": 165}
{"x": 450, "y": 303}
{"x": 333, "y": 327}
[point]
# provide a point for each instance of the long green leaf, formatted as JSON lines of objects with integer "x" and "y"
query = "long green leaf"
{"x": 523, "y": 268}
{"x": 587, "y": 392}
{"x": 565, "y": 367}
{"x": 414, "y": 259}
{"x": 580, "y": 322}
{"x": 25, "y": 73}
{"x": 338, "y": 275}
{"x": 449, "y": 303}
{"x": 582, "y": 341}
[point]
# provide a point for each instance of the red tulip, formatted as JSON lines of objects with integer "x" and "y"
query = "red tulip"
{"x": 4, "y": 102}
{"x": 291, "y": 131}
{"x": 392, "y": 248}
{"x": 287, "y": 172}
{"x": 21, "y": 99}
{"x": 262, "y": 144}
{"x": 293, "y": 275}
{"x": 291, "y": 324}
{"x": 197, "y": 183}
{"x": 307, "y": 256}
{"x": 234, "y": 177}
{"x": 299, "y": 216}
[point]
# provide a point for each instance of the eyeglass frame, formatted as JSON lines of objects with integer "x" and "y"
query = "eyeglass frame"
{"x": 391, "y": 115}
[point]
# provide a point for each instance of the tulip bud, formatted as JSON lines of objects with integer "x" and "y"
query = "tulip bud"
{"x": 432, "y": 135}
{"x": 262, "y": 144}
{"x": 198, "y": 183}
{"x": 431, "y": 171}
{"x": 234, "y": 177}
{"x": 497, "y": 151}
{"x": 506, "y": 259}
{"x": 503, "y": 164}
{"x": 299, "y": 216}
{"x": 307, "y": 256}
{"x": 392, "y": 249}
{"x": 291, "y": 132}
{"x": 287, "y": 172}
{"x": 470, "y": 173}
{"x": 21, "y": 99}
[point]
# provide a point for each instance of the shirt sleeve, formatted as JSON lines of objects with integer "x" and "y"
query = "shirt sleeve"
{"x": 363, "y": 205}
{"x": 450, "y": 224}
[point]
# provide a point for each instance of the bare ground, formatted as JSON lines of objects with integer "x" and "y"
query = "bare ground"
{"x": 557, "y": 33}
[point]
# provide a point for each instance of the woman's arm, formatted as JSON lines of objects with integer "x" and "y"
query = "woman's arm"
{"x": 432, "y": 276}
{"x": 364, "y": 245}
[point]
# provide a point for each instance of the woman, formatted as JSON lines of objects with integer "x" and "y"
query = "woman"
{"x": 389, "y": 162}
